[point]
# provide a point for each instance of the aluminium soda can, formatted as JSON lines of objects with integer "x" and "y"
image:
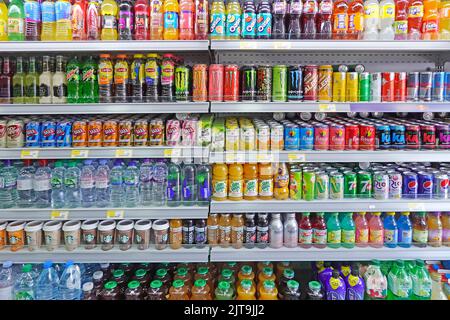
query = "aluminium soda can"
{"x": 400, "y": 86}
{"x": 321, "y": 136}
{"x": 32, "y": 134}
{"x": 295, "y": 83}
{"x": 325, "y": 83}
{"x": 388, "y": 86}
{"x": 425, "y": 180}
{"x": 364, "y": 184}
{"x": 410, "y": 185}
{"x": 279, "y": 83}
{"x": 95, "y": 133}
{"x": 248, "y": 83}
{"x": 364, "y": 86}
{"x": 425, "y": 86}
{"x": 110, "y": 133}
{"x": 438, "y": 86}
{"x": 337, "y": 137}
{"x": 350, "y": 182}
{"x": 291, "y": 137}
{"x": 375, "y": 87}
{"x": 366, "y": 137}
{"x": 412, "y": 136}
{"x": 395, "y": 185}
{"x": 64, "y": 134}
{"x": 200, "y": 83}
{"x": 352, "y": 86}
{"x": 215, "y": 82}
{"x": 79, "y": 133}
{"x": 3, "y": 133}
{"x": 351, "y": 136}
{"x": 276, "y": 137}
{"x": 428, "y": 136}
{"x": 310, "y": 81}
{"x": 442, "y": 135}
{"x": 322, "y": 185}
{"x": 397, "y": 136}
{"x": 264, "y": 83}
{"x": 339, "y": 86}
{"x": 231, "y": 83}
{"x": 48, "y": 134}
{"x": 336, "y": 185}
{"x": 412, "y": 86}
{"x": 440, "y": 186}
{"x": 308, "y": 184}
{"x": 306, "y": 137}
{"x": 189, "y": 132}
{"x": 295, "y": 183}
{"x": 383, "y": 136}
{"x": 380, "y": 185}
{"x": 140, "y": 132}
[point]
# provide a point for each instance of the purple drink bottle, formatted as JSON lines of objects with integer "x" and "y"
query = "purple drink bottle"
{"x": 335, "y": 287}
{"x": 279, "y": 10}
{"x": 126, "y": 20}
{"x": 264, "y": 20}
{"x": 295, "y": 12}
{"x": 310, "y": 9}
{"x": 324, "y": 24}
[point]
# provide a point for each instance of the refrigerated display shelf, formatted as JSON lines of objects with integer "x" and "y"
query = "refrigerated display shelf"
{"x": 181, "y": 212}
{"x": 114, "y": 255}
{"x": 260, "y": 107}
{"x": 104, "y": 152}
{"x": 327, "y": 254}
{"x": 330, "y": 156}
{"x": 105, "y": 108}
{"x": 347, "y": 205}
{"x": 104, "y": 46}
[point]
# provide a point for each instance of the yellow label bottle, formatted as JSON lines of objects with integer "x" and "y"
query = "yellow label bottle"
{"x": 3, "y": 21}
{"x": 108, "y": 12}
{"x": 63, "y": 10}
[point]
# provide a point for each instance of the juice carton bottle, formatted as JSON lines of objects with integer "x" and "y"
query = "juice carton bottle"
{"x": 376, "y": 230}
{"x": 63, "y": 29}
{"x": 246, "y": 272}
{"x": 3, "y": 21}
{"x": 268, "y": 291}
{"x": 340, "y": 18}
{"x": 265, "y": 181}
{"x": 415, "y": 17}
{"x": 355, "y": 19}
{"x": 319, "y": 228}
{"x": 420, "y": 230}
{"x": 79, "y": 20}
{"x": 281, "y": 181}
{"x": 250, "y": 181}
{"x": 237, "y": 231}
{"x": 220, "y": 182}
{"x": 246, "y": 290}
{"x": 16, "y": 21}
{"x": 434, "y": 229}
{"x": 224, "y": 291}
{"x": 444, "y": 20}
{"x": 224, "y": 230}
{"x": 201, "y": 290}
{"x": 390, "y": 230}
{"x": 156, "y": 20}
{"x": 171, "y": 15}
{"x": 265, "y": 274}
{"x": 187, "y": 12}
{"x": 218, "y": 20}
{"x": 348, "y": 233}
{"x": 334, "y": 231}
{"x": 235, "y": 182}
{"x": 430, "y": 22}
{"x": 404, "y": 230}
{"x": 178, "y": 291}
{"x": 362, "y": 230}
{"x": 108, "y": 12}
{"x": 305, "y": 231}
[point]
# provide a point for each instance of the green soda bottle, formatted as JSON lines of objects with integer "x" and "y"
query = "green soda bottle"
{"x": 333, "y": 231}
{"x": 32, "y": 83}
{"x": 89, "y": 84}
{"x": 399, "y": 282}
{"x": 18, "y": 81}
{"x": 421, "y": 282}
{"x": 73, "y": 75}
{"x": 348, "y": 233}
{"x": 16, "y": 21}
{"x": 224, "y": 291}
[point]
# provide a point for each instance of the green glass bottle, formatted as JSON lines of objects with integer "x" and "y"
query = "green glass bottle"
{"x": 32, "y": 83}
{"x": 19, "y": 83}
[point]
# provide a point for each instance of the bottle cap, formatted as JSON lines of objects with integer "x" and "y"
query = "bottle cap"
{"x": 246, "y": 284}
{"x": 267, "y": 271}
{"x": 118, "y": 273}
{"x": 27, "y": 267}
{"x": 161, "y": 272}
{"x": 155, "y": 284}
{"x": 293, "y": 285}
{"x": 133, "y": 284}
{"x": 314, "y": 285}
{"x": 140, "y": 273}
{"x": 48, "y": 264}
{"x": 288, "y": 273}
{"x": 200, "y": 283}
{"x": 227, "y": 273}
{"x": 182, "y": 271}
{"x": 224, "y": 285}
{"x": 88, "y": 286}
{"x": 246, "y": 269}
{"x": 268, "y": 284}
{"x": 110, "y": 285}
{"x": 178, "y": 283}
{"x": 202, "y": 270}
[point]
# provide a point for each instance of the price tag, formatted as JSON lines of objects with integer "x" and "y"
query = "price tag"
{"x": 124, "y": 153}
{"x": 169, "y": 153}
{"x": 29, "y": 154}
{"x": 413, "y": 206}
{"x": 264, "y": 157}
{"x": 115, "y": 214}
{"x": 59, "y": 215}
{"x": 282, "y": 45}
{"x": 248, "y": 45}
{"x": 372, "y": 206}
{"x": 230, "y": 157}
{"x": 327, "y": 107}
{"x": 296, "y": 157}
{"x": 79, "y": 154}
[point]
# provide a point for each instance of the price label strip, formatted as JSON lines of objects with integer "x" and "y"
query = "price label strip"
{"x": 124, "y": 153}
{"x": 248, "y": 45}
{"x": 59, "y": 215}
{"x": 296, "y": 157}
{"x": 413, "y": 206}
{"x": 282, "y": 45}
{"x": 79, "y": 154}
{"x": 264, "y": 157}
{"x": 29, "y": 154}
{"x": 327, "y": 107}
{"x": 172, "y": 153}
{"x": 115, "y": 214}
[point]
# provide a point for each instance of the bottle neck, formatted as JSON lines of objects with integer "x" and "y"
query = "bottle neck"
{"x": 45, "y": 66}
{"x": 6, "y": 66}
{"x": 32, "y": 66}
{"x": 19, "y": 66}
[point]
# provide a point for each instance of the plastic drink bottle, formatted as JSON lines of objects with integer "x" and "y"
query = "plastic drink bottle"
{"x": 376, "y": 230}
{"x": 176, "y": 235}
{"x": 294, "y": 29}
{"x": 18, "y": 83}
{"x": 126, "y": 20}
{"x": 233, "y": 22}
{"x": 437, "y": 292}
{"x": 305, "y": 231}
{"x": 319, "y": 236}
{"x": 141, "y": 20}
{"x": 171, "y": 17}
{"x": 265, "y": 275}
{"x": 47, "y": 283}
{"x": 41, "y": 185}
{"x": 224, "y": 291}
{"x": 421, "y": 282}
{"x": 444, "y": 20}
{"x": 355, "y": 286}
{"x": 362, "y": 230}
{"x": 333, "y": 231}
{"x": 70, "y": 283}
{"x": 265, "y": 183}
{"x": 281, "y": 181}
{"x": 224, "y": 230}
{"x": 7, "y": 190}
{"x": 355, "y": 19}
{"x": 63, "y": 22}
{"x": 264, "y": 20}
{"x": 72, "y": 185}
{"x": 105, "y": 78}
{"x": 16, "y": 21}
{"x": 48, "y": 20}
{"x": 159, "y": 183}
{"x": 399, "y": 282}
{"x": 376, "y": 282}
{"x": 246, "y": 290}
{"x": 249, "y": 20}
{"x": 415, "y": 17}
{"x": 173, "y": 184}
{"x": 79, "y": 20}
{"x": 276, "y": 231}
{"x": 404, "y": 230}
{"x": 235, "y": 182}
{"x": 390, "y": 230}
{"x": 348, "y": 232}
{"x": 434, "y": 229}
{"x": 89, "y": 81}
{"x": 237, "y": 231}
{"x": 371, "y": 19}
{"x": 25, "y": 185}
{"x": 203, "y": 178}
{"x": 401, "y": 19}
{"x": 87, "y": 184}
{"x": 387, "y": 18}
{"x": 250, "y": 181}
{"x": 291, "y": 231}
{"x": 146, "y": 183}
{"x": 45, "y": 82}
{"x": 6, "y": 281}
{"x": 189, "y": 186}
{"x": 218, "y": 19}
{"x": 324, "y": 19}
{"x": 73, "y": 76}
{"x": 93, "y": 20}
{"x": 420, "y": 230}
{"x": 268, "y": 291}
{"x": 156, "y": 20}
{"x": 108, "y": 12}
{"x": 220, "y": 182}
{"x": 201, "y": 290}
{"x": 430, "y": 22}
{"x": 57, "y": 185}
{"x": 187, "y": 12}
{"x": 279, "y": 10}
{"x": 340, "y": 18}
{"x": 310, "y": 10}
{"x": 246, "y": 272}
{"x": 3, "y": 21}
{"x": 131, "y": 185}
{"x": 24, "y": 286}
{"x": 335, "y": 287}
{"x": 201, "y": 20}
{"x": 446, "y": 229}
{"x": 32, "y": 10}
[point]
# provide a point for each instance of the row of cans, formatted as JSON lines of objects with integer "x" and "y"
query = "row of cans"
{"x": 324, "y": 83}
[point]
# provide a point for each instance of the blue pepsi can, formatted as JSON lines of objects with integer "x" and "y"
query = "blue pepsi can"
{"x": 438, "y": 86}
{"x": 383, "y": 136}
{"x": 306, "y": 137}
{"x": 398, "y": 136}
{"x": 425, "y": 189}
{"x": 32, "y": 133}
{"x": 291, "y": 137}
{"x": 410, "y": 185}
{"x": 48, "y": 134}
{"x": 447, "y": 86}
{"x": 64, "y": 134}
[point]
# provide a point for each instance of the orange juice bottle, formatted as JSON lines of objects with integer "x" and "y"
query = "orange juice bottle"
{"x": 201, "y": 290}
{"x": 171, "y": 19}
{"x": 281, "y": 182}
{"x": 220, "y": 182}
{"x": 176, "y": 233}
{"x": 213, "y": 229}
{"x": 430, "y": 21}
{"x": 224, "y": 230}
{"x": 340, "y": 18}
{"x": 268, "y": 291}
{"x": 266, "y": 274}
{"x": 237, "y": 231}
{"x": 444, "y": 20}
{"x": 265, "y": 181}
{"x": 246, "y": 290}
{"x": 434, "y": 229}
{"x": 250, "y": 181}
{"x": 246, "y": 272}
{"x": 178, "y": 291}
{"x": 235, "y": 182}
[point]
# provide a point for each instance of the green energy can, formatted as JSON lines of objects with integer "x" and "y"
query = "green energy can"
{"x": 295, "y": 183}
{"x": 364, "y": 185}
{"x": 279, "y": 83}
{"x": 182, "y": 83}
{"x": 350, "y": 181}
{"x": 309, "y": 183}
{"x": 336, "y": 185}
{"x": 321, "y": 188}
{"x": 364, "y": 86}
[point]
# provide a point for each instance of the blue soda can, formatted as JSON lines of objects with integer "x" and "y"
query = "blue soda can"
{"x": 425, "y": 86}
{"x": 397, "y": 136}
{"x": 306, "y": 137}
{"x": 291, "y": 137}
{"x": 383, "y": 136}
{"x": 64, "y": 134}
{"x": 32, "y": 134}
{"x": 447, "y": 86}
{"x": 48, "y": 134}
{"x": 425, "y": 189}
{"x": 410, "y": 185}
{"x": 438, "y": 86}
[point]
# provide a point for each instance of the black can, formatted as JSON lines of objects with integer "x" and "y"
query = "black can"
{"x": 248, "y": 83}
{"x": 264, "y": 83}
{"x": 295, "y": 83}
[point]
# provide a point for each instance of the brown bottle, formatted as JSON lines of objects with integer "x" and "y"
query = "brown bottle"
{"x": 110, "y": 291}
{"x": 121, "y": 280}
{"x": 134, "y": 291}
{"x": 143, "y": 277}
{"x": 163, "y": 276}
{"x": 98, "y": 281}
{"x": 157, "y": 291}
{"x": 88, "y": 291}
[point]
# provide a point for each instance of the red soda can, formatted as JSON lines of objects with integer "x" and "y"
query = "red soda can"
{"x": 337, "y": 137}
{"x": 351, "y": 136}
{"x": 400, "y": 86}
{"x": 366, "y": 137}
{"x": 199, "y": 82}
{"x": 428, "y": 136}
{"x": 189, "y": 132}
{"x": 173, "y": 132}
{"x": 215, "y": 82}
{"x": 321, "y": 137}
{"x": 231, "y": 83}
{"x": 412, "y": 136}
{"x": 310, "y": 82}
{"x": 387, "y": 86}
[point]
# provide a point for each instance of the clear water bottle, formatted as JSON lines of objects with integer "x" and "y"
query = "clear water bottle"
{"x": 116, "y": 179}
{"x": 173, "y": 184}
{"x": 57, "y": 183}
{"x": 387, "y": 19}
{"x": 203, "y": 184}
{"x": 371, "y": 19}
{"x": 102, "y": 189}
{"x": 42, "y": 185}
{"x": 6, "y": 281}
{"x": 72, "y": 185}
{"x": 25, "y": 189}
{"x": 47, "y": 284}
{"x": 131, "y": 184}
{"x": 87, "y": 184}
{"x": 8, "y": 182}
{"x": 159, "y": 183}
{"x": 189, "y": 187}
{"x": 145, "y": 182}
{"x": 24, "y": 287}
{"x": 70, "y": 283}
